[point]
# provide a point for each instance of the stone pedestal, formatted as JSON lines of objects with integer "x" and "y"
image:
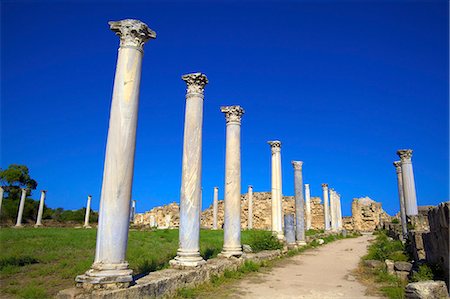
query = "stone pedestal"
{"x": 401, "y": 197}
{"x": 188, "y": 254}
{"x": 88, "y": 212}
{"x": 326, "y": 209}
{"x": 308, "y": 206}
{"x": 299, "y": 203}
{"x": 409, "y": 187}
{"x": 21, "y": 206}
{"x": 215, "y": 206}
{"x": 289, "y": 230}
{"x": 110, "y": 269}
{"x": 232, "y": 199}
{"x": 250, "y": 208}
{"x": 277, "y": 208}
{"x": 41, "y": 209}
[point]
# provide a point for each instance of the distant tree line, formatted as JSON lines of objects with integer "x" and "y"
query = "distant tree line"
{"x": 16, "y": 177}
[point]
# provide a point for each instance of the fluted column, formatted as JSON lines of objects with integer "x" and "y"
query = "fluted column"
{"x": 215, "y": 207}
{"x": 21, "y": 206}
{"x": 41, "y": 209}
{"x": 333, "y": 210}
{"x": 1, "y": 198}
{"x": 299, "y": 203}
{"x": 401, "y": 197}
{"x": 326, "y": 210}
{"x": 308, "y": 206}
{"x": 232, "y": 199}
{"x": 88, "y": 212}
{"x": 409, "y": 187}
{"x": 188, "y": 254}
{"x": 250, "y": 208}
{"x": 110, "y": 267}
{"x": 277, "y": 198}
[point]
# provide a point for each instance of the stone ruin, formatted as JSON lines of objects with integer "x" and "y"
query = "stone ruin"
{"x": 160, "y": 213}
{"x": 367, "y": 215}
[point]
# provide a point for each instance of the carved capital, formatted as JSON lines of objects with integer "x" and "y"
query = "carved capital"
{"x": 275, "y": 145}
{"x": 324, "y": 186}
{"x": 196, "y": 82}
{"x": 233, "y": 114}
{"x": 297, "y": 165}
{"x": 405, "y": 155}
{"x": 132, "y": 33}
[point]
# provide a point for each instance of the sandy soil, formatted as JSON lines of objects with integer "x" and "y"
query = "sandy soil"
{"x": 324, "y": 272}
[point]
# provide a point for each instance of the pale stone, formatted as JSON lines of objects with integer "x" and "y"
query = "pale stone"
{"x": 232, "y": 224}
{"x": 308, "y": 207}
{"x": 333, "y": 210}
{"x": 110, "y": 267}
{"x": 1, "y": 198}
{"x": 340, "y": 223}
{"x": 215, "y": 206}
{"x": 168, "y": 218}
{"x": 326, "y": 208}
{"x": 250, "y": 208}
{"x": 289, "y": 230}
{"x": 401, "y": 197}
{"x": 21, "y": 206}
{"x": 133, "y": 211}
{"x": 41, "y": 209}
{"x": 277, "y": 208}
{"x": 299, "y": 203}
{"x": 188, "y": 254}
{"x": 88, "y": 211}
{"x": 152, "y": 221}
{"x": 426, "y": 290}
{"x": 409, "y": 188}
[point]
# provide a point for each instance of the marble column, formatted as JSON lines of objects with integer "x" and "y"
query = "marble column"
{"x": 401, "y": 197}
{"x": 152, "y": 221}
{"x": 232, "y": 198}
{"x": 188, "y": 254}
{"x": 308, "y": 206}
{"x": 289, "y": 230}
{"x": 88, "y": 212}
{"x": 167, "y": 220}
{"x": 133, "y": 210}
{"x": 299, "y": 203}
{"x": 41, "y": 209}
{"x": 110, "y": 268}
{"x": 326, "y": 210}
{"x": 339, "y": 212}
{"x": 277, "y": 197}
{"x": 250, "y": 208}
{"x": 1, "y": 198}
{"x": 215, "y": 207}
{"x": 409, "y": 188}
{"x": 333, "y": 210}
{"x": 21, "y": 206}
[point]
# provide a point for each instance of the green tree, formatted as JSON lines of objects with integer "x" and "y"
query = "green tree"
{"x": 14, "y": 178}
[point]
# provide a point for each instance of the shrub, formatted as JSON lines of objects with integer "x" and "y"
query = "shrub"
{"x": 384, "y": 248}
{"x": 264, "y": 241}
{"x": 424, "y": 273}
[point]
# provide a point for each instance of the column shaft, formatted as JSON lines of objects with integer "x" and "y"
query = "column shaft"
{"x": 299, "y": 203}
{"x": 21, "y": 206}
{"x": 308, "y": 206}
{"x": 1, "y": 198}
{"x": 409, "y": 188}
{"x": 280, "y": 197}
{"x": 88, "y": 211}
{"x": 41, "y": 209}
{"x": 215, "y": 206}
{"x": 333, "y": 210}
{"x": 289, "y": 229}
{"x": 401, "y": 197}
{"x": 250, "y": 208}
{"x": 326, "y": 210}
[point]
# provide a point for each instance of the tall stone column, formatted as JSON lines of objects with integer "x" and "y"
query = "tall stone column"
{"x": 299, "y": 203}
{"x": 21, "y": 206}
{"x": 333, "y": 210}
{"x": 409, "y": 187}
{"x": 277, "y": 197}
{"x": 326, "y": 210}
{"x": 188, "y": 254}
{"x": 339, "y": 212}
{"x": 133, "y": 210}
{"x": 1, "y": 198}
{"x": 232, "y": 199}
{"x": 215, "y": 207}
{"x": 250, "y": 208}
{"x": 289, "y": 230}
{"x": 308, "y": 206}
{"x": 88, "y": 212}
{"x": 401, "y": 197}
{"x": 41, "y": 209}
{"x": 110, "y": 268}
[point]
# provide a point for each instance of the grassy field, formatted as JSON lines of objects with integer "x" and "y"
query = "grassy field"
{"x": 37, "y": 263}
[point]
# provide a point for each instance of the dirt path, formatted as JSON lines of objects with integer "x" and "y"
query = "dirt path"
{"x": 324, "y": 272}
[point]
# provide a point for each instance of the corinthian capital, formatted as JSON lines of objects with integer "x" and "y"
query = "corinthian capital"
{"x": 297, "y": 165}
{"x": 398, "y": 166}
{"x": 233, "y": 114}
{"x": 275, "y": 145}
{"x": 196, "y": 82}
{"x": 405, "y": 155}
{"x": 324, "y": 186}
{"x": 132, "y": 33}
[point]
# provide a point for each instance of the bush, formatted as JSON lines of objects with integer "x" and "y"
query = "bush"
{"x": 383, "y": 249}
{"x": 424, "y": 273}
{"x": 264, "y": 241}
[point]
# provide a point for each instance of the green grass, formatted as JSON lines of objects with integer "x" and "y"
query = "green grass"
{"x": 37, "y": 263}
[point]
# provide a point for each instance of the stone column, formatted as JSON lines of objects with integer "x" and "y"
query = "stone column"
{"x": 232, "y": 198}
{"x": 308, "y": 206}
{"x": 339, "y": 212}
{"x": 188, "y": 254}
{"x": 409, "y": 188}
{"x": 1, "y": 198}
{"x": 299, "y": 203}
{"x": 333, "y": 210}
{"x": 133, "y": 210}
{"x": 88, "y": 212}
{"x": 215, "y": 207}
{"x": 41, "y": 209}
{"x": 401, "y": 197}
{"x": 110, "y": 268}
{"x": 21, "y": 206}
{"x": 152, "y": 221}
{"x": 289, "y": 230}
{"x": 326, "y": 210}
{"x": 277, "y": 198}
{"x": 167, "y": 220}
{"x": 250, "y": 208}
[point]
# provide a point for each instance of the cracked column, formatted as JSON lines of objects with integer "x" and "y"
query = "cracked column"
{"x": 308, "y": 206}
{"x": 188, "y": 254}
{"x": 110, "y": 268}
{"x": 250, "y": 208}
{"x": 215, "y": 207}
{"x": 88, "y": 212}
{"x": 326, "y": 210}
{"x": 232, "y": 198}
{"x": 41, "y": 209}
{"x": 409, "y": 188}
{"x": 277, "y": 208}
{"x": 333, "y": 210}
{"x": 299, "y": 203}
{"x": 21, "y": 206}
{"x": 401, "y": 197}
{"x": 1, "y": 198}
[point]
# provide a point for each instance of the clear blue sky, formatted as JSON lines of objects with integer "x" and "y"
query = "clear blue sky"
{"x": 342, "y": 84}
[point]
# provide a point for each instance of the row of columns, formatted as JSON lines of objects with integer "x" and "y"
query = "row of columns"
{"x": 332, "y": 210}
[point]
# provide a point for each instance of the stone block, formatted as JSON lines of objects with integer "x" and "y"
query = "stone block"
{"x": 426, "y": 290}
{"x": 389, "y": 266}
{"x": 373, "y": 264}
{"x": 402, "y": 266}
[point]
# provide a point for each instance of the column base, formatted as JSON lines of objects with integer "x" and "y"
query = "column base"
{"x": 37, "y": 225}
{"x": 280, "y": 236}
{"x": 227, "y": 252}
{"x": 87, "y": 226}
{"x": 105, "y": 276}
{"x": 301, "y": 243}
{"x": 18, "y": 226}
{"x": 187, "y": 260}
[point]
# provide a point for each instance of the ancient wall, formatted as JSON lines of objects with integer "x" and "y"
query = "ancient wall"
{"x": 160, "y": 216}
{"x": 367, "y": 214}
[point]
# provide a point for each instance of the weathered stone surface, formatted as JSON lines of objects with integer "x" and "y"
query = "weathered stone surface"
{"x": 160, "y": 214}
{"x": 246, "y": 248}
{"x": 403, "y": 275}
{"x": 373, "y": 264}
{"x": 426, "y": 290}
{"x": 402, "y": 266}
{"x": 389, "y": 266}
{"x": 416, "y": 246}
{"x": 367, "y": 214}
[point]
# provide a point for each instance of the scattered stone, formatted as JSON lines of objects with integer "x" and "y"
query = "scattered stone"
{"x": 426, "y": 290}
{"x": 320, "y": 241}
{"x": 246, "y": 248}
{"x": 373, "y": 264}
{"x": 402, "y": 266}
{"x": 390, "y": 266}
{"x": 403, "y": 275}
